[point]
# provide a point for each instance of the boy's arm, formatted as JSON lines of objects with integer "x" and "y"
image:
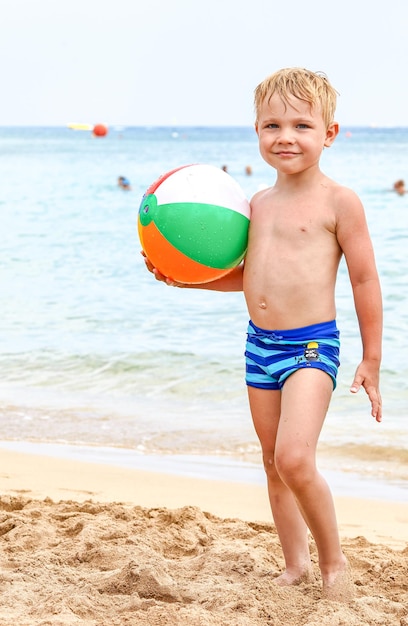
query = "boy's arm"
{"x": 354, "y": 239}
{"x": 233, "y": 281}
{"x": 367, "y": 299}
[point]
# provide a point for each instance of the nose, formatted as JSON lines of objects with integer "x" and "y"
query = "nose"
{"x": 286, "y": 135}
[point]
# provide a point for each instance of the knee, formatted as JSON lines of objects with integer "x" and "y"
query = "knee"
{"x": 293, "y": 468}
{"x": 270, "y": 467}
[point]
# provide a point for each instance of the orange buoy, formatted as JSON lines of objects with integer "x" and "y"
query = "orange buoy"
{"x": 100, "y": 130}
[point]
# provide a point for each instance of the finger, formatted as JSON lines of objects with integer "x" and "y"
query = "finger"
{"x": 377, "y": 412}
{"x": 158, "y": 275}
{"x": 357, "y": 382}
{"x": 147, "y": 261}
{"x": 376, "y": 404}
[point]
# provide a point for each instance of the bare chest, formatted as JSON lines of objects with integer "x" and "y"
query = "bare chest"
{"x": 296, "y": 224}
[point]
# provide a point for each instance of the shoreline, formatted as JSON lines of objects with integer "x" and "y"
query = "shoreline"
{"x": 41, "y": 476}
{"x": 343, "y": 483}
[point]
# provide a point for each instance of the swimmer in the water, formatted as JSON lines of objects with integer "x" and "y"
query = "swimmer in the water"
{"x": 124, "y": 183}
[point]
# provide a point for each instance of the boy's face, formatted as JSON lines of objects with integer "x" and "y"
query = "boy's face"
{"x": 292, "y": 134}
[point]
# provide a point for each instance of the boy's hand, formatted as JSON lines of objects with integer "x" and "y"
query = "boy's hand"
{"x": 367, "y": 376}
{"x": 158, "y": 276}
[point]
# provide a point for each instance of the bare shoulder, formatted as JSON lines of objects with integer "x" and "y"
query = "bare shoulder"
{"x": 263, "y": 194}
{"x": 350, "y": 218}
{"x": 344, "y": 198}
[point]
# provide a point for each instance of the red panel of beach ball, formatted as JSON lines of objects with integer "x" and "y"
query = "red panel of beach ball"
{"x": 100, "y": 130}
{"x": 193, "y": 223}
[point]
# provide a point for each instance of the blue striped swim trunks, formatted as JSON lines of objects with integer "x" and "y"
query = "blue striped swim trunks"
{"x": 273, "y": 355}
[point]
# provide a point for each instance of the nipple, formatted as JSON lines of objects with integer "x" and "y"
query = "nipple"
{"x": 262, "y": 304}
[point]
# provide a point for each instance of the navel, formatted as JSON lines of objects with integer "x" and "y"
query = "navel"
{"x": 262, "y": 304}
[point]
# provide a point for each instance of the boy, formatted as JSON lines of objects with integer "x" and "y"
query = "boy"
{"x": 299, "y": 230}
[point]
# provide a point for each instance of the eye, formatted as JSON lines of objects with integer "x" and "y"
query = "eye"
{"x": 302, "y": 126}
{"x": 271, "y": 125}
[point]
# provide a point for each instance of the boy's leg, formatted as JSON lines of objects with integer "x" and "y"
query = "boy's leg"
{"x": 305, "y": 399}
{"x": 292, "y": 530}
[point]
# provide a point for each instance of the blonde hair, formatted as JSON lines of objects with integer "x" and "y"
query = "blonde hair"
{"x": 311, "y": 87}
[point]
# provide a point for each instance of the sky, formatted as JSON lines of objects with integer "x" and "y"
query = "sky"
{"x": 195, "y": 62}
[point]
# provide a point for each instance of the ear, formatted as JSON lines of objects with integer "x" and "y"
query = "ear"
{"x": 331, "y": 134}
{"x": 256, "y": 128}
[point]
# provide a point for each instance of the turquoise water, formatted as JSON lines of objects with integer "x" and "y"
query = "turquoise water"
{"x": 95, "y": 354}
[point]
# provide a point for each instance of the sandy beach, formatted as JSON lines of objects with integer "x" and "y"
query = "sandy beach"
{"x": 85, "y": 543}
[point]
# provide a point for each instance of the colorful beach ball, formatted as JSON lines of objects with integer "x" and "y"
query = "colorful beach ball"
{"x": 193, "y": 223}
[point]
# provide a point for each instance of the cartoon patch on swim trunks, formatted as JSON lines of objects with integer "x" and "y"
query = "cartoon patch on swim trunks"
{"x": 312, "y": 351}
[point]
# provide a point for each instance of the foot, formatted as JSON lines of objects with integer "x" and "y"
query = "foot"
{"x": 292, "y": 577}
{"x": 338, "y": 586}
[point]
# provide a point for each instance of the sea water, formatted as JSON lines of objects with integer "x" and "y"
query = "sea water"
{"x": 99, "y": 361}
